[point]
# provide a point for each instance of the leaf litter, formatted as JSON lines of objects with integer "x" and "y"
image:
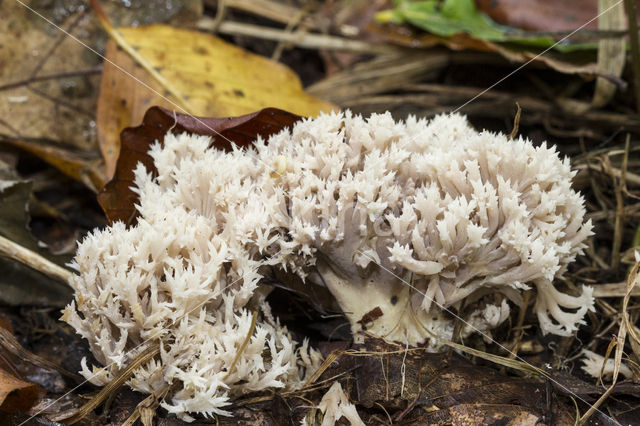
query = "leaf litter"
{"x": 386, "y": 381}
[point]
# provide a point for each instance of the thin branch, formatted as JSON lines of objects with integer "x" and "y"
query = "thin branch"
{"x": 275, "y": 11}
{"x": 242, "y": 347}
{"x": 15, "y": 132}
{"x": 54, "y": 76}
{"x": 9, "y": 343}
{"x": 619, "y": 190}
{"x": 62, "y": 37}
{"x": 33, "y": 260}
{"x": 307, "y": 41}
{"x": 141, "y": 359}
{"x": 221, "y": 12}
{"x": 61, "y": 102}
{"x": 289, "y": 29}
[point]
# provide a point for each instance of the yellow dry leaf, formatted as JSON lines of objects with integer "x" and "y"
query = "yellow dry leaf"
{"x": 218, "y": 78}
{"x": 197, "y": 71}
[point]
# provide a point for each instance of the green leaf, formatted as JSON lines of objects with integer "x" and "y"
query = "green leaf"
{"x": 448, "y": 17}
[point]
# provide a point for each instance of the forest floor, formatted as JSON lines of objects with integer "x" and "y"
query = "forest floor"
{"x": 63, "y": 107}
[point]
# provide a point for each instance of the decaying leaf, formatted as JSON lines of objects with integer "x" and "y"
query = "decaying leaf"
{"x": 20, "y": 285}
{"x": 207, "y": 77}
{"x": 117, "y": 199}
{"x": 15, "y": 394}
{"x": 6, "y": 324}
{"x": 542, "y": 15}
{"x": 579, "y": 62}
{"x": 83, "y": 166}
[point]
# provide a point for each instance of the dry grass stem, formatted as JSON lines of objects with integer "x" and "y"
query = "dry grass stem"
{"x": 33, "y": 260}
{"x": 124, "y": 375}
{"x": 303, "y": 40}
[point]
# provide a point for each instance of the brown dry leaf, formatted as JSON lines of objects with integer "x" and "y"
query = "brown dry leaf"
{"x": 202, "y": 75}
{"x": 542, "y": 15}
{"x": 15, "y": 394}
{"x": 118, "y": 200}
{"x": 6, "y": 324}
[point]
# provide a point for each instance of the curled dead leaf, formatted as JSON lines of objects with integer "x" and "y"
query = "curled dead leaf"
{"x": 118, "y": 200}
{"x": 15, "y": 394}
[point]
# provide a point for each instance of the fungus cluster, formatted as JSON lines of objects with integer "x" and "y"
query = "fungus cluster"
{"x": 404, "y": 222}
{"x": 181, "y": 276}
{"x": 419, "y": 219}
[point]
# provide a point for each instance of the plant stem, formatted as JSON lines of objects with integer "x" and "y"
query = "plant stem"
{"x": 635, "y": 47}
{"x": 33, "y": 260}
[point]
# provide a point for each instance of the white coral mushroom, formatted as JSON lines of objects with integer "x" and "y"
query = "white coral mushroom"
{"x": 401, "y": 221}
{"x": 416, "y": 217}
{"x": 596, "y": 366}
{"x": 334, "y": 406}
{"x": 181, "y": 276}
